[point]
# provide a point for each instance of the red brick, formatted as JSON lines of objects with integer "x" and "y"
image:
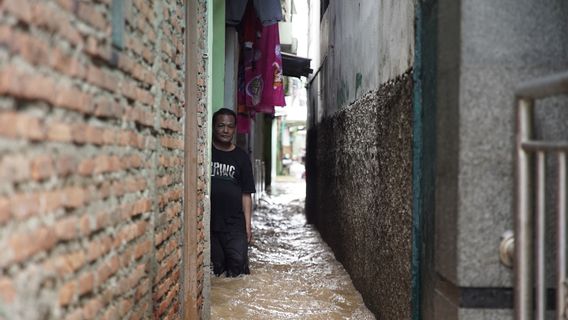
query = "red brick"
{"x": 139, "y": 312}
{"x": 162, "y": 288}
{"x": 68, "y": 5}
{"x": 110, "y": 136}
{"x": 170, "y": 124}
{"x": 147, "y": 54}
{"x": 142, "y": 248}
{"x": 85, "y": 225}
{"x": 95, "y": 75}
{"x": 140, "y": 206}
{"x": 21, "y": 84}
{"x": 5, "y": 212}
{"x": 163, "y": 306}
{"x": 86, "y": 283}
{"x": 142, "y": 289}
{"x": 166, "y": 250}
{"x": 66, "y": 64}
{"x": 51, "y": 200}
{"x": 98, "y": 248}
{"x": 67, "y": 228}
{"x": 7, "y": 290}
{"x": 74, "y": 197}
{"x": 86, "y": 12}
{"x": 60, "y": 132}
{"x": 75, "y": 315}
{"x": 42, "y": 167}
{"x": 94, "y": 135}
{"x": 67, "y": 292}
{"x": 86, "y": 167}
{"x": 134, "y": 185}
{"x": 18, "y": 125}
{"x": 27, "y": 244}
{"x": 107, "y": 108}
{"x": 29, "y": 48}
{"x": 130, "y": 232}
{"x": 24, "y": 205}
{"x": 53, "y": 19}
{"x": 173, "y": 313}
{"x": 92, "y": 308}
{"x": 65, "y": 165}
{"x": 72, "y": 98}
{"x": 79, "y": 133}
{"x": 166, "y": 266}
{"x": 14, "y": 168}
{"x": 105, "y": 164}
{"x": 124, "y": 307}
{"x": 118, "y": 190}
{"x": 19, "y": 8}
{"x": 111, "y": 314}
{"x": 103, "y": 220}
{"x": 67, "y": 263}
{"x": 107, "y": 269}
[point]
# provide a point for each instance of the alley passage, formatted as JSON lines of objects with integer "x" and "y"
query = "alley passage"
{"x": 294, "y": 274}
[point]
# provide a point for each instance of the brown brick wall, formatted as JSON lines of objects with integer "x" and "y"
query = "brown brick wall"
{"x": 91, "y": 160}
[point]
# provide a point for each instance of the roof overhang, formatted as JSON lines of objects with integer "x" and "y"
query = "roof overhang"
{"x": 294, "y": 66}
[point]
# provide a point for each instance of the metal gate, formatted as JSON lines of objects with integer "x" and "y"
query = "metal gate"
{"x": 530, "y": 197}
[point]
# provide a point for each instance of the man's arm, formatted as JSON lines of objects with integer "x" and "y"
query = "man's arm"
{"x": 247, "y": 209}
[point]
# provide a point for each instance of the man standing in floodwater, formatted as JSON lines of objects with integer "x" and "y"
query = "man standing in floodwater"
{"x": 232, "y": 183}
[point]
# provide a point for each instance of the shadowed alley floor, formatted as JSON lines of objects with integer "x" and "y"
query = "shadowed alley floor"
{"x": 294, "y": 274}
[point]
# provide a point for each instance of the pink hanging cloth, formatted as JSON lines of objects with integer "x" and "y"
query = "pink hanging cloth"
{"x": 261, "y": 85}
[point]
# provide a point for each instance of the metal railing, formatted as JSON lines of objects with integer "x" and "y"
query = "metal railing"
{"x": 259, "y": 179}
{"x": 530, "y": 204}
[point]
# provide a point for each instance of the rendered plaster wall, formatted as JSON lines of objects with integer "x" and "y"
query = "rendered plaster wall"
{"x": 365, "y": 44}
{"x": 485, "y": 49}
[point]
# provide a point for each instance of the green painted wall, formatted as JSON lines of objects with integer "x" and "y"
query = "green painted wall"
{"x": 217, "y": 55}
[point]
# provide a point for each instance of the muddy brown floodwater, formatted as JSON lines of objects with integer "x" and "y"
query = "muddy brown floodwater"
{"x": 294, "y": 274}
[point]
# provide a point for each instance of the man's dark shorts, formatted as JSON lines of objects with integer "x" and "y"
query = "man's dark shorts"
{"x": 229, "y": 253}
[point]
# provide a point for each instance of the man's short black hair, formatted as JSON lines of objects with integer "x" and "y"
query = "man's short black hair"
{"x": 224, "y": 111}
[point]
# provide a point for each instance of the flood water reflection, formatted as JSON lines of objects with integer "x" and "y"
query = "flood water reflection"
{"x": 294, "y": 275}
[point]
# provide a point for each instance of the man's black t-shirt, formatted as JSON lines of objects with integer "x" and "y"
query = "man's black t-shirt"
{"x": 231, "y": 176}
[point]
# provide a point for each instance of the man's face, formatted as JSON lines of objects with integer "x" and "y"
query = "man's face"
{"x": 224, "y": 128}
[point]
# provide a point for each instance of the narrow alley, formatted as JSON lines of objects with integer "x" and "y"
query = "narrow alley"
{"x": 294, "y": 274}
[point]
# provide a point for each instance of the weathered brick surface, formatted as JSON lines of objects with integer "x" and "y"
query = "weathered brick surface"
{"x": 92, "y": 160}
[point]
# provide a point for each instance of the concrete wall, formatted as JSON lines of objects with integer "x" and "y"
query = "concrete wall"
{"x": 364, "y": 194}
{"x": 365, "y": 44}
{"x": 485, "y": 48}
{"x": 359, "y": 145}
{"x": 91, "y": 160}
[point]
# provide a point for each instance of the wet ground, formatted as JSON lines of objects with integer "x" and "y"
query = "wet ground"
{"x": 294, "y": 275}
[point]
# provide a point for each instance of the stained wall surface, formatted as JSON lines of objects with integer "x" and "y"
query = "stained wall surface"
{"x": 485, "y": 50}
{"x": 359, "y": 145}
{"x": 92, "y": 159}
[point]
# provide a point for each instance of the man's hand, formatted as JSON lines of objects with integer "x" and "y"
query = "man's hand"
{"x": 249, "y": 235}
{"x": 247, "y": 209}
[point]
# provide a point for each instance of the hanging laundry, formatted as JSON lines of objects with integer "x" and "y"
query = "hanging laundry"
{"x": 268, "y": 11}
{"x": 261, "y": 85}
{"x": 234, "y": 11}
